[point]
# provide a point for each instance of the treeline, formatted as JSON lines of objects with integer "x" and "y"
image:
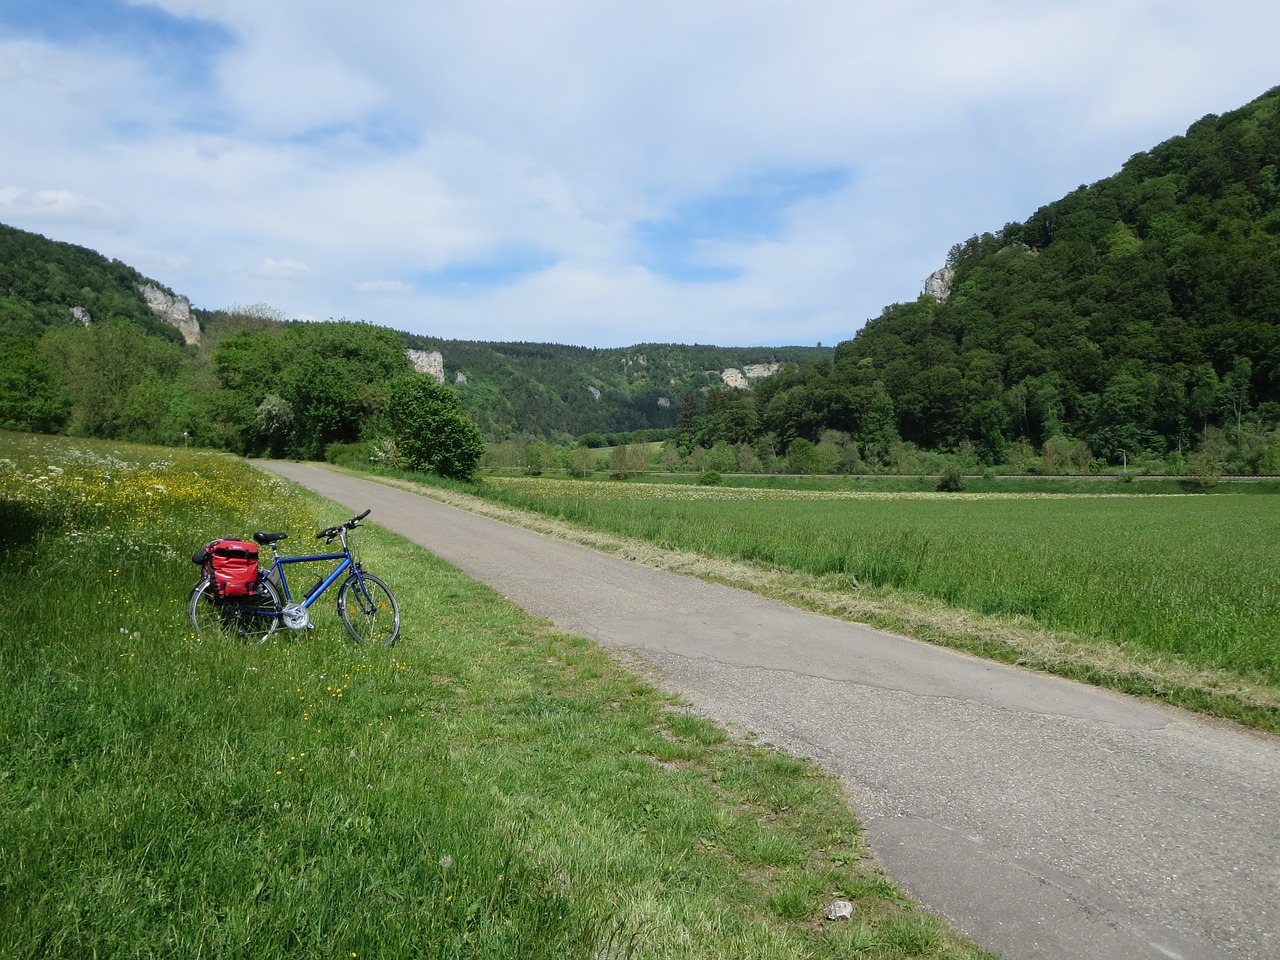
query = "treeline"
{"x": 1135, "y": 319}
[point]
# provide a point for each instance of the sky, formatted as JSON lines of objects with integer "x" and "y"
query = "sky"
{"x": 587, "y": 172}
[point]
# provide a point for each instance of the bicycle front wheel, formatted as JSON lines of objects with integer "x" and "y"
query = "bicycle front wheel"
{"x": 251, "y": 619}
{"x": 368, "y": 610}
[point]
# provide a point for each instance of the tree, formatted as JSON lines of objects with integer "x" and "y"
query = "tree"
{"x": 431, "y": 431}
{"x": 1235, "y": 390}
{"x": 1124, "y": 417}
{"x": 274, "y": 421}
{"x": 582, "y": 462}
{"x": 628, "y": 460}
{"x": 30, "y": 398}
{"x": 802, "y": 456}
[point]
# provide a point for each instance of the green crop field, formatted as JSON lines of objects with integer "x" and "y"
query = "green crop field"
{"x": 1191, "y": 579}
{"x": 487, "y": 788}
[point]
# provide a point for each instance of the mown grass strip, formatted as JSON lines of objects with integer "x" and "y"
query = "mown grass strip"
{"x": 489, "y": 787}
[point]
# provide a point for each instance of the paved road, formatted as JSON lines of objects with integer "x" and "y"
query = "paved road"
{"x": 1047, "y": 819}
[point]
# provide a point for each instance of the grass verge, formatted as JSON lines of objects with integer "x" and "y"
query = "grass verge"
{"x": 489, "y": 787}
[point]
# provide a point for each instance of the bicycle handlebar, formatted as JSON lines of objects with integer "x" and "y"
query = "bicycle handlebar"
{"x": 330, "y": 532}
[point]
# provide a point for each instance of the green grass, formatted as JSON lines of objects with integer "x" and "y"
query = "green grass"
{"x": 487, "y": 788}
{"x": 1169, "y": 597}
{"x": 1185, "y": 577}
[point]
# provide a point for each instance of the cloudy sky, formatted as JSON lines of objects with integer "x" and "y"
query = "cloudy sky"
{"x": 732, "y": 172}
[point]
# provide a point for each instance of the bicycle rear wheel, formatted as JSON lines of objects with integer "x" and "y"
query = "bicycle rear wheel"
{"x": 251, "y": 619}
{"x": 370, "y": 613}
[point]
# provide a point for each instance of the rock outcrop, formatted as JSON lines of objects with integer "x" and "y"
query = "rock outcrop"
{"x": 430, "y": 362}
{"x": 172, "y": 310}
{"x": 938, "y": 284}
{"x": 737, "y": 379}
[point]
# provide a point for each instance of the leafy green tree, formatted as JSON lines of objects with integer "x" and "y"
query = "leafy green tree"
{"x": 30, "y": 396}
{"x": 582, "y": 462}
{"x": 102, "y": 367}
{"x": 1124, "y": 417}
{"x": 431, "y": 431}
{"x": 537, "y": 458}
{"x": 731, "y": 415}
{"x": 628, "y": 460}
{"x": 802, "y": 456}
{"x": 722, "y": 458}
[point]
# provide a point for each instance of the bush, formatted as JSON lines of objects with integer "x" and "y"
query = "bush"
{"x": 952, "y": 480}
{"x": 710, "y": 478}
{"x": 348, "y": 454}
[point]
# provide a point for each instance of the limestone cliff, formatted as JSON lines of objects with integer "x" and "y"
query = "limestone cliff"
{"x": 430, "y": 362}
{"x": 173, "y": 310}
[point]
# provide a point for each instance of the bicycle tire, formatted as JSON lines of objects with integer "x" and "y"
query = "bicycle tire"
{"x": 251, "y": 619}
{"x": 371, "y": 615}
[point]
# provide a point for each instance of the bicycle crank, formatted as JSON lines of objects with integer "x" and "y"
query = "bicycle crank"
{"x": 295, "y": 616}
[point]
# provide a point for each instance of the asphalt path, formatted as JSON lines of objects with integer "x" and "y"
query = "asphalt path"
{"x": 1045, "y": 818}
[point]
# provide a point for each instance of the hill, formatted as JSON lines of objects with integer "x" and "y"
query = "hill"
{"x": 1139, "y": 316}
{"x": 92, "y": 347}
{"x": 537, "y": 389}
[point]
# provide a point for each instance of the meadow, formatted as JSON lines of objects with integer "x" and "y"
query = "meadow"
{"x": 487, "y": 788}
{"x": 1189, "y": 580}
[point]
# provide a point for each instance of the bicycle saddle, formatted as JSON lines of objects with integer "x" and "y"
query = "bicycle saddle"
{"x": 266, "y": 538}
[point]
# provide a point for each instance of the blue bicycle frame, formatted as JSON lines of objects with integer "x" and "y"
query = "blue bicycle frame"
{"x": 346, "y": 564}
{"x": 293, "y": 612}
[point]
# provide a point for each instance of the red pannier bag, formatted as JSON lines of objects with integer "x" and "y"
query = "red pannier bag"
{"x": 233, "y": 567}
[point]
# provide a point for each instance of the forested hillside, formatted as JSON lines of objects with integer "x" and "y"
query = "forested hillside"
{"x": 42, "y": 281}
{"x": 81, "y": 353}
{"x": 1139, "y": 317}
{"x": 1136, "y": 320}
{"x": 545, "y": 390}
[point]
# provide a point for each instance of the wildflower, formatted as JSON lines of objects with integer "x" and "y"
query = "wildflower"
{"x": 446, "y": 862}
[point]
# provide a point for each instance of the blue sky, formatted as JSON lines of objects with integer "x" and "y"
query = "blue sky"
{"x": 594, "y": 172}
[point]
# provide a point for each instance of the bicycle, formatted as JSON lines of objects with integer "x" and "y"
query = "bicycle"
{"x": 366, "y": 605}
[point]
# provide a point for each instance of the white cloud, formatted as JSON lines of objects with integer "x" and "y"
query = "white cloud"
{"x": 384, "y": 286}
{"x": 62, "y": 207}
{"x": 282, "y": 269}
{"x": 481, "y": 170}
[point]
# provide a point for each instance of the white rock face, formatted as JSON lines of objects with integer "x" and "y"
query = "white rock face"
{"x": 82, "y": 315}
{"x": 741, "y": 379}
{"x": 594, "y": 392}
{"x": 172, "y": 310}
{"x": 460, "y": 377}
{"x": 430, "y": 362}
{"x": 938, "y": 284}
